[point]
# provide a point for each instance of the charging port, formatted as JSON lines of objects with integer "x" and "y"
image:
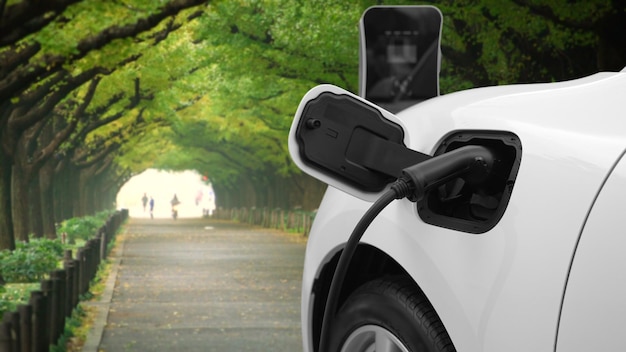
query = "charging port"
{"x": 474, "y": 206}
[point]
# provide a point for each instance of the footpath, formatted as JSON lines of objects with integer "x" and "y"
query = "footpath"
{"x": 200, "y": 285}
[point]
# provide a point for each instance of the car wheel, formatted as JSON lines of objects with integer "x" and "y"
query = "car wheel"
{"x": 388, "y": 315}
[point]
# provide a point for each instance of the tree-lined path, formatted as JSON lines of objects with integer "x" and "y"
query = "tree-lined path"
{"x": 201, "y": 285}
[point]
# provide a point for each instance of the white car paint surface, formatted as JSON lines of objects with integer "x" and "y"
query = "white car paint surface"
{"x": 594, "y": 310}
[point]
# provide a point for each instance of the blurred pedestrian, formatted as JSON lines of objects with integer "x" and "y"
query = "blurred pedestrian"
{"x": 144, "y": 201}
{"x": 175, "y": 203}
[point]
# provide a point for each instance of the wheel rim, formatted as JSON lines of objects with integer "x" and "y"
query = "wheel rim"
{"x": 373, "y": 338}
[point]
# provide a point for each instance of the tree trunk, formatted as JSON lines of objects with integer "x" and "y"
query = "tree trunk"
{"x": 86, "y": 195}
{"x": 106, "y": 191}
{"x": 46, "y": 174}
{"x": 297, "y": 191}
{"x": 34, "y": 196}
{"x": 64, "y": 185}
{"x": 79, "y": 199}
{"x": 20, "y": 204}
{"x": 83, "y": 191}
{"x": 109, "y": 187}
{"x": 7, "y": 239}
{"x": 222, "y": 196}
{"x": 306, "y": 192}
{"x": 248, "y": 194}
{"x": 70, "y": 192}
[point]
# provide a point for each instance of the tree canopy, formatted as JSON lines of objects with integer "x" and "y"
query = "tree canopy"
{"x": 92, "y": 92}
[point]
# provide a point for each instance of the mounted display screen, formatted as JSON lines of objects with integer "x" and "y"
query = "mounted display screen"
{"x": 399, "y": 60}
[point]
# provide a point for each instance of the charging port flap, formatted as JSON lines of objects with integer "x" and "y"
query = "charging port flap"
{"x": 348, "y": 142}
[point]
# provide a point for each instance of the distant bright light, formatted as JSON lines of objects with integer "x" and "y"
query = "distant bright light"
{"x": 193, "y": 194}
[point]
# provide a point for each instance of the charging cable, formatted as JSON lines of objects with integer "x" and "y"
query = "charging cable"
{"x": 472, "y": 162}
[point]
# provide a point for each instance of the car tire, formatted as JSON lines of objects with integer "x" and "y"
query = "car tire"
{"x": 389, "y": 314}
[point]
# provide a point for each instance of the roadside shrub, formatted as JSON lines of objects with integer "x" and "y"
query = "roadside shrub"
{"x": 5, "y": 304}
{"x": 79, "y": 228}
{"x": 30, "y": 261}
{"x": 83, "y": 228}
{"x": 13, "y": 295}
{"x": 104, "y": 215}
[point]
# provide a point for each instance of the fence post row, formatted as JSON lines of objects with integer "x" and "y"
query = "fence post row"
{"x": 39, "y": 324}
{"x": 291, "y": 220}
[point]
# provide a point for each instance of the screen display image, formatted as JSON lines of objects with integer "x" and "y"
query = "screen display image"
{"x": 400, "y": 54}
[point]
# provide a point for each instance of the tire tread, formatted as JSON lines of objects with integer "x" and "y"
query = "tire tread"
{"x": 408, "y": 294}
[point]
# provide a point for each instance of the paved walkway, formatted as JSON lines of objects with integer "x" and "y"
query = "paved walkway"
{"x": 198, "y": 285}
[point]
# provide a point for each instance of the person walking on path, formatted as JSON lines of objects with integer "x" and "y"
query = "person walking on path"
{"x": 144, "y": 201}
{"x": 151, "y": 207}
{"x": 175, "y": 203}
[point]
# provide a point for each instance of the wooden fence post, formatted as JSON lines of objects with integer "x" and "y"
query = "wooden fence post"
{"x": 307, "y": 225}
{"x": 16, "y": 333}
{"x": 82, "y": 270}
{"x": 6, "y": 336}
{"x": 104, "y": 240}
{"x": 90, "y": 262}
{"x": 55, "y": 309}
{"x": 76, "y": 281}
{"x": 40, "y": 331}
{"x": 71, "y": 277}
{"x": 96, "y": 251}
{"x": 26, "y": 326}
{"x": 34, "y": 327}
{"x": 47, "y": 288}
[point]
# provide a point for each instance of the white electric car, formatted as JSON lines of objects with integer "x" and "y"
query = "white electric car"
{"x": 525, "y": 253}
{"x": 531, "y": 261}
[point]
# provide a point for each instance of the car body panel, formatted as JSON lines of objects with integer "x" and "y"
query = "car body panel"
{"x": 500, "y": 290}
{"x": 594, "y": 308}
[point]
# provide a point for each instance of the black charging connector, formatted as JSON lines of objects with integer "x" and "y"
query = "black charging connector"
{"x": 473, "y": 163}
